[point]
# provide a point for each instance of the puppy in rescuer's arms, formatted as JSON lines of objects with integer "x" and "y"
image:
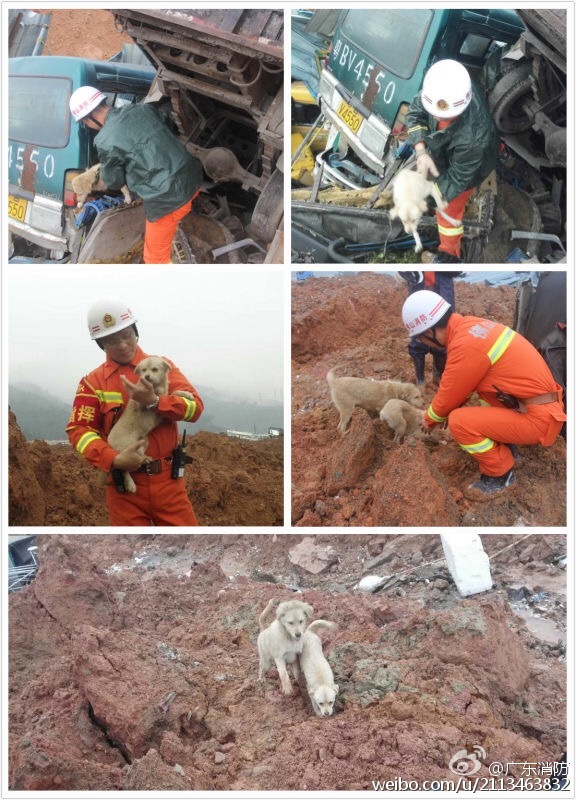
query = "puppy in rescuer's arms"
{"x": 100, "y": 400}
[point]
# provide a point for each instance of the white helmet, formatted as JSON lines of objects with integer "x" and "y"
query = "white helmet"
{"x": 447, "y": 89}
{"x": 422, "y": 310}
{"x": 84, "y": 100}
{"x": 109, "y": 316}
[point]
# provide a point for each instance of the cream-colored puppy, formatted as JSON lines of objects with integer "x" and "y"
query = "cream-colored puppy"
{"x": 317, "y": 671}
{"x": 280, "y": 643}
{"x": 137, "y": 421}
{"x": 372, "y": 396}
{"x": 410, "y": 190}
{"x": 90, "y": 181}
{"x": 405, "y": 420}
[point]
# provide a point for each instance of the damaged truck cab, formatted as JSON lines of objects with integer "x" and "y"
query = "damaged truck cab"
{"x": 217, "y": 77}
{"x": 47, "y": 149}
{"x": 376, "y": 64}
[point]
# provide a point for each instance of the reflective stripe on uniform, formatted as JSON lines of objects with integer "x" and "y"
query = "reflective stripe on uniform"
{"x": 190, "y": 408}
{"x": 417, "y": 128}
{"x": 85, "y": 440}
{"x": 108, "y": 397}
{"x": 434, "y": 416}
{"x": 479, "y": 447}
{"x": 451, "y": 231}
{"x": 500, "y": 345}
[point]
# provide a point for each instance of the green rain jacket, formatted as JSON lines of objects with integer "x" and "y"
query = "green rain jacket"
{"x": 465, "y": 152}
{"x": 137, "y": 149}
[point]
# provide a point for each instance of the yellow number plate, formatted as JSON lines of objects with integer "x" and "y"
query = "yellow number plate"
{"x": 350, "y": 116}
{"x": 17, "y": 208}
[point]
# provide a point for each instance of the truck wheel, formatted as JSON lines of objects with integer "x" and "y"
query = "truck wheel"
{"x": 507, "y": 97}
{"x": 268, "y": 210}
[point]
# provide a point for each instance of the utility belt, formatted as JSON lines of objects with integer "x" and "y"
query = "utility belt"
{"x": 156, "y": 467}
{"x": 517, "y": 404}
{"x": 175, "y": 463}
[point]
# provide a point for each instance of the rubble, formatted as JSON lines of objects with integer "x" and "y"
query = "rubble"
{"x": 133, "y": 665}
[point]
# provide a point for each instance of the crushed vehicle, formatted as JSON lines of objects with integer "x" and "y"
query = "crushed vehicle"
{"x": 375, "y": 67}
{"x": 217, "y": 76}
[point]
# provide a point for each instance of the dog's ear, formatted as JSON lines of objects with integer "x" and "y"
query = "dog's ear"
{"x": 335, "y": 687}
{"x": 308, "y": 610}
{"x": 166, "y": 365}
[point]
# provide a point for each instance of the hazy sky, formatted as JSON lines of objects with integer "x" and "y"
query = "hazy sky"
{"x": 223, "y": 327}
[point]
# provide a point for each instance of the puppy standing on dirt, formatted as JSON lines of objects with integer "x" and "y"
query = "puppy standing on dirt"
{"x": 281, "y": 642}
{"x": 317, "y": 671}
{"x": 409, "y": 191}
{"x": 137, "y": 420}
{"x": 405, "y": 420}
{"x": 347, "y": 393}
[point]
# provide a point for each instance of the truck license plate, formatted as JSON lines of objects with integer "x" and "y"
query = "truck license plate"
{"x": 17, "y": 208}
{"x": 350, "y": 116}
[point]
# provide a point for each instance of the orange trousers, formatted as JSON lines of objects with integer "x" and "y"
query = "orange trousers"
{"x": 159, "y": 235}
{"x": 450, "y": 234}
{"x": 482, "y": 430}
{"x": 159, "y": 500}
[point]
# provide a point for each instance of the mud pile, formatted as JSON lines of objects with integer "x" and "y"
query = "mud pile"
{"x": 90, "y": 35}
{"x": 364, "y": 478}
{"x": 133, "y": 665}
{"x": 230, "y": 482}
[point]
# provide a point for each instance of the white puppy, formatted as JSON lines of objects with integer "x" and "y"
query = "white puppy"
{"x": 281, "y": 642}
{"x": 317, "y": 671}
{"x": 409, "y": 191}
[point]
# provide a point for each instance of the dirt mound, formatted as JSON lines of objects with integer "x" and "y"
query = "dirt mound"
{"x": 133, "y": 664}
{"x": 90, "y": 33}
{"x": 364, "y": 478}
{"x": 230, "y": 482}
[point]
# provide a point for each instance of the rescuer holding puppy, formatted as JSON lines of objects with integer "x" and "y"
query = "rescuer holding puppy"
{"x": 456, "y": 141}
{"x": 136, "y": 149}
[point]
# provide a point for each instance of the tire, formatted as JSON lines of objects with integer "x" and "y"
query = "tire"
{"x": 506, "y": 98}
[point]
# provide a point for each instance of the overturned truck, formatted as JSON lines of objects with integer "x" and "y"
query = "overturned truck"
{"x": 376, "y": 63}
{"x": 222, "y": 71}
{"x": 216, "y": 76}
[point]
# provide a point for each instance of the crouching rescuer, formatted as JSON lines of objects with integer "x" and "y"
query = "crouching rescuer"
{"x": 521, "y": 402}
{"x": 160, "y": 497}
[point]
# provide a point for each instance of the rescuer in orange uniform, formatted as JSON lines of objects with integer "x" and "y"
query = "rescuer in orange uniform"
{"x": 522, "y": 401}
{"x": 100, "y": 397}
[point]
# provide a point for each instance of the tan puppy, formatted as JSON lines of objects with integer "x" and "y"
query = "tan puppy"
{"x": 405, "y": 420}
{"x": 347, "y": 393}
{"x": 90, "y": 181}
{"x": 281, "y": 642}
{"x": 137, "y": 421}
{"x": 410, "y": 190}
{"x": 317, "y": 671}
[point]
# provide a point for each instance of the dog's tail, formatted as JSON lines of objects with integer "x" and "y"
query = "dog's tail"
{"x": 330, "y": 374}
{"x": 321, "y": 623}
{"x": 266, "y": 617}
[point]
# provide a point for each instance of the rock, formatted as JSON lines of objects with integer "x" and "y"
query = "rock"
{"x": 150, "y": 773}
{"x": 311, "y": 557}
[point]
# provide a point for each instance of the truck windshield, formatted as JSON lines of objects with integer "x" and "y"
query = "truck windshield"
{"x": 34, "y": 98}
{"x": 391, "y": 38}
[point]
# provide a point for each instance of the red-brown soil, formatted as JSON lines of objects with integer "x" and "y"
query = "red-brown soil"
{"x": 133, "y": 664}
{"x": 85, "y": 33}
{"x": 230, "y": 482}
{"x": 364, "y": 478}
